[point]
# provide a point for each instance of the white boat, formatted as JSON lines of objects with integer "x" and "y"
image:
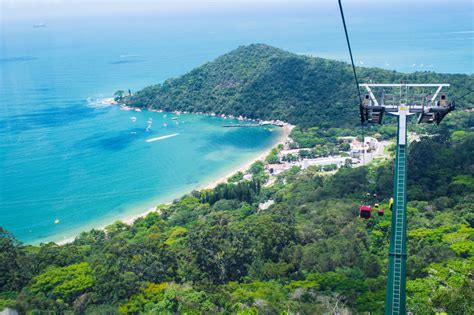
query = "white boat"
{"x": 56, "y": 221}
{"x": 174, "y": 118}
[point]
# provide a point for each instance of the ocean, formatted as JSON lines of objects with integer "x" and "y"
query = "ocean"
{"x": 66, "y": 155}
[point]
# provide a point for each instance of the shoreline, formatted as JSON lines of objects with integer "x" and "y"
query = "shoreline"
{"x": 281, "y": 140}
{"x": 260, "y": 122}
{"x": 130, "y": 219}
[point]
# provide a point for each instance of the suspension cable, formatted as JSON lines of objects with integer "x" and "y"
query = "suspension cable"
{"x": 464, "y": 95}
{"x": 361, "y": 108}
{"x": 350, "y": 53}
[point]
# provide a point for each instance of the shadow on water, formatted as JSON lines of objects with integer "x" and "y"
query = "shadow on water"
{"x": 113, "y": 141}
{"x": 120, "y": 141}
{"x": 17, "y": 59}
{"x": 43, "y": 89}
{"x": 50, "y": 117}
{"x": 233, "y": 138}
{"x": 120, "y": 62}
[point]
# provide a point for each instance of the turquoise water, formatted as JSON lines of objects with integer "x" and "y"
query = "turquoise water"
{"x": 88, "y": 167}
{"x": 64, "y": 155}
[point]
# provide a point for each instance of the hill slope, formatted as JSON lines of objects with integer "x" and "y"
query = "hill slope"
{"x": 260, "y": 81}
{"x": 216, "y": 252}
{"x": 308, "y": 253}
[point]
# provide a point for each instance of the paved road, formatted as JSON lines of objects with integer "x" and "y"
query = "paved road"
{"x": 368, "y": 157}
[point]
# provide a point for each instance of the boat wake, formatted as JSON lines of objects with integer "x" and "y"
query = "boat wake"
{"x": 162, "y": 137}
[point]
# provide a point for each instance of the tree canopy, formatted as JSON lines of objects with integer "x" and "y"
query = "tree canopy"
{"x": 216, "y": 251}
{"x": 306, "y": 253}
{"x": 260, "y": 81}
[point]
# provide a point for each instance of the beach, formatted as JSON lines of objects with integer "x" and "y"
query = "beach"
{"x": 130, "y": 219}
{"x": 281, "y": 140}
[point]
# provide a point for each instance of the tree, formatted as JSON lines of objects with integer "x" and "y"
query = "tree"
{"x": 15, "y": 265}
{"x": 257, "y": 167}
{"x": 118, "y": 96}
{"x": 168, "y": 298}
{"x": 272, "y": 158}
{"x": 65, "y": 283}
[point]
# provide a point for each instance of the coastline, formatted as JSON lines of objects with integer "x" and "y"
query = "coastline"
{"x": 130, "y": 219}
{"x": 281, "y": 140}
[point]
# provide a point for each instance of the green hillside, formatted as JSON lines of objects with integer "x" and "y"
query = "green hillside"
{"x": 216, "y": 251}
{"x": 309, "y": 253}
{"x": 260, "y": 81}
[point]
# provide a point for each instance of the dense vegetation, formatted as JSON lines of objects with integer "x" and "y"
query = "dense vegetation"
{"x": 259, "y": 81}
{"x": 307, "y": 253}
{"x": 217, "y": 251}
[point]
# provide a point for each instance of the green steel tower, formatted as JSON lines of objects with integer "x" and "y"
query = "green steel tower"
{"x": 408, "y": 99}
{"x": 395, "y": 302}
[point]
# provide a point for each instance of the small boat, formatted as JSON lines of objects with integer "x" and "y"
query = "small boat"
{"x": 165, "y": 125}
{"x": 175, "y": 118}
{"x": 56, "y": 221}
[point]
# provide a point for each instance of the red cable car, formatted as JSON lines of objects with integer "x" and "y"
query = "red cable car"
{"x": 380, "y": 212}
{"x": 365, "y": 211}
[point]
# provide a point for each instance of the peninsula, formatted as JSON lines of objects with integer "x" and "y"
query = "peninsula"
{"x": 274, "y": 241}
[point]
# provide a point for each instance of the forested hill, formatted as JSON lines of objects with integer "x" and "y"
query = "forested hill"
{"x": 215, "y": 252}
{"x": 260, "y": 81}
{"x": 218, "y": 251}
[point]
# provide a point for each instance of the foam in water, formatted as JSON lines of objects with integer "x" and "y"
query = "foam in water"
{"x": 100, "y": 102}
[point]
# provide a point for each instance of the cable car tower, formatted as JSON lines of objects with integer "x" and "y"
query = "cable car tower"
{"x": 403, "y": 100}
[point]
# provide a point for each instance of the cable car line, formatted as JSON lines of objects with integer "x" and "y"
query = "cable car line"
{"x": 464, "y": 95}
{"x": 361, "y": 108}
{"x": 430, "y": 109}
{"x": 350, "y": 53}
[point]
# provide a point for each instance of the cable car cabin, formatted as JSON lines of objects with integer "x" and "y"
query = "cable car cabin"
{"x": 372, "y": 114}
{"x": 375, "y": 114}
{"x": 380, "y": 212}
{"x": 365, "y": 211}
{"x": 436, "y": 113}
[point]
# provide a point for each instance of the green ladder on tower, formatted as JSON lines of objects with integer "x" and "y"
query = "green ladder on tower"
{"x": 396, "y": 296}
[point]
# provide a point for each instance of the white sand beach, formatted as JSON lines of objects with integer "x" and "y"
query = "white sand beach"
{"x": 285, "y": 132}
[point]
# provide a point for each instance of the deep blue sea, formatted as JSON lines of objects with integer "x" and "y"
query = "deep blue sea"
{"x": 65, "y": 155}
